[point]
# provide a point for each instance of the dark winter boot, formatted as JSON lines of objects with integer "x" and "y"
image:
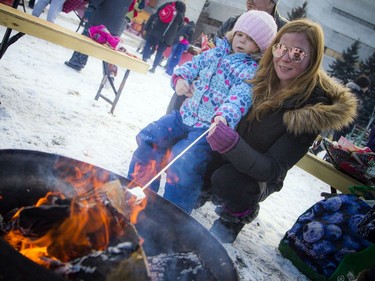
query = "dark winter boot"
{"x": 229, "y": 225}
{"x": 226, "y": 232}
{"x": 204, "y": 197}
{"x": 77, "y": 61}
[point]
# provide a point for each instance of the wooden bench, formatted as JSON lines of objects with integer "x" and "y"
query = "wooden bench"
{"x": 17, "y": 20}
{"x": 326, "y": 172}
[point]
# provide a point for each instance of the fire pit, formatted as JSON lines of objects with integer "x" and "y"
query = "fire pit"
{"x": 177, "y": 247}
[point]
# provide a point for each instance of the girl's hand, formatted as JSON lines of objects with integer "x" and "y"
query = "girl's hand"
{"x": 217, "y": 120}
{"x": 220, "y": 118}
{"x": 183, "y": 88}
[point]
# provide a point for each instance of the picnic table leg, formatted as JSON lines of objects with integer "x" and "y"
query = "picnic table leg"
{"x": 117, "y": 92}
{"x": 5, "y": 42}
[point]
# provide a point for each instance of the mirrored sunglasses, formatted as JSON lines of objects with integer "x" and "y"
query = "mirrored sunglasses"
{"x": 295, "y": 54}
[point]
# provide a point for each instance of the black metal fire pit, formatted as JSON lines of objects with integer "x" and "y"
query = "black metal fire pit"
{"x": 170, "y": 235}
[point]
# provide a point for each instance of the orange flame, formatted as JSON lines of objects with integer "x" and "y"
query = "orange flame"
{"x": 91, "y": 224}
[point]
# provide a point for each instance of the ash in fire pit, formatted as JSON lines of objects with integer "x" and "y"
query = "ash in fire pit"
{"x": 188, "y": 265}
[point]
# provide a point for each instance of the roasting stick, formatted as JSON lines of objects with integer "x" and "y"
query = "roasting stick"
{"x": 138, "y": 191}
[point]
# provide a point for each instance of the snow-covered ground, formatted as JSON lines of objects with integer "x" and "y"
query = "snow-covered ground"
{"x": 49, "y": 107}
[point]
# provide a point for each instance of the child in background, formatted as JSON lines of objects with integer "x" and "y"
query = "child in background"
{"x": 176, "y": 54}
{"x": 216, "y": 87}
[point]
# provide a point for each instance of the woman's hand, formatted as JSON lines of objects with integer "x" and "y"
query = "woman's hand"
{"x": 183, "y": 88}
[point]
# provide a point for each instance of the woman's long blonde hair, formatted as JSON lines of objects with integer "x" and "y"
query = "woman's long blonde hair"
{"x": 266, "y": 93}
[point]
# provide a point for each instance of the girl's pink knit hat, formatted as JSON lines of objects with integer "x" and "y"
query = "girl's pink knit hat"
{"x": 259, "y": 25}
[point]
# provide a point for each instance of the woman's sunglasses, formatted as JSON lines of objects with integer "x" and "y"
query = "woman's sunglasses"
{"x": 295, "y": 54}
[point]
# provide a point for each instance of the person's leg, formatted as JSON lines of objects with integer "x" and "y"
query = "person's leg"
{"x": 207, "y": 191}
{"x": 55, "y": 8}
{"x": 140, "y": 46}
{"x": 39, "y": 7}
{"x": 174, "y": 58}
{"x": 159, "y": 55}
{"x": 236, "y": 190}
{"x": 239, "y": 196}
{"x": 78, "y": 60}
{"x": 154, "y": 141}
{"x": 170, "y": 55}
{"x": 150, "y": 43}
{"x": 31, "y": 4}
{"x": 185, "y": 177}
{"x": 175, "y": 102}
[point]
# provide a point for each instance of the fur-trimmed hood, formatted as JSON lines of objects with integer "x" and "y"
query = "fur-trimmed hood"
{"x": 331, "y": 107}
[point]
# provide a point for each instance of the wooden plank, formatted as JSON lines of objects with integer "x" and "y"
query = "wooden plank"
{"x": 28, "y": 24}
{"x": 327, "y": 172}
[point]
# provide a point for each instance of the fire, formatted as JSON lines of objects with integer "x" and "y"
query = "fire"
{"x": 143, "y": 173}
{"x": 96, "y": 215}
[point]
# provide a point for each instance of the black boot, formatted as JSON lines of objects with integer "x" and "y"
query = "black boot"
{"x": 228, "y": 226}
{"x": 77, "y": 61}
{"x": 204, "y": 196}
{"x": 226, "y": 232}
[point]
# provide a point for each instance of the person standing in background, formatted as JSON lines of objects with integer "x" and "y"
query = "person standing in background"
{"x": 162, "y": 33}
{"x": 180, "y": 45}
{"x": 111, "y": 14}
{"x": 146, "y": 32}
{"x": 269, "y": 6}
{"x": 55, "y": 8}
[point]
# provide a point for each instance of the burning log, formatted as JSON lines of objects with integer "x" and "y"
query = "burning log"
{"x": 71, "y": 235}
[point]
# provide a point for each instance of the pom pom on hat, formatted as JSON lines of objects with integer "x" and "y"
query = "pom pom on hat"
{"x": 259, "y": 25}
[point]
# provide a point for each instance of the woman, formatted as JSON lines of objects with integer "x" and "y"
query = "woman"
{"x": 293, "y": 100}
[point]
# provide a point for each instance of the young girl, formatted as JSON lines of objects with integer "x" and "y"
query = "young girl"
{"x": 214, "y": 83}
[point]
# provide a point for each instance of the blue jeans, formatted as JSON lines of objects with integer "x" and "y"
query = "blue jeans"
{"x": 55, "y": 8}
{"x": 158, "y": 144}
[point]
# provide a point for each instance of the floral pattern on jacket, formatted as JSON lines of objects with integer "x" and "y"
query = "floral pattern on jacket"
{"x": 218, "y": 77}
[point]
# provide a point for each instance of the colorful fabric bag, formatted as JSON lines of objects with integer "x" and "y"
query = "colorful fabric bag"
{"x": 74, "y": 5}
{"x": 358, "y": 163}
{"x": 324, "y": 243}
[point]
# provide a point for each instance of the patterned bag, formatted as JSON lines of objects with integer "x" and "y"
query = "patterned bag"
{"x": 359, "y": 164}
{"x": 74, "y": 5}
{"x": 367, "y": 226}
{"x": 7, "y": 2}
{"x": 324, "y": 242}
